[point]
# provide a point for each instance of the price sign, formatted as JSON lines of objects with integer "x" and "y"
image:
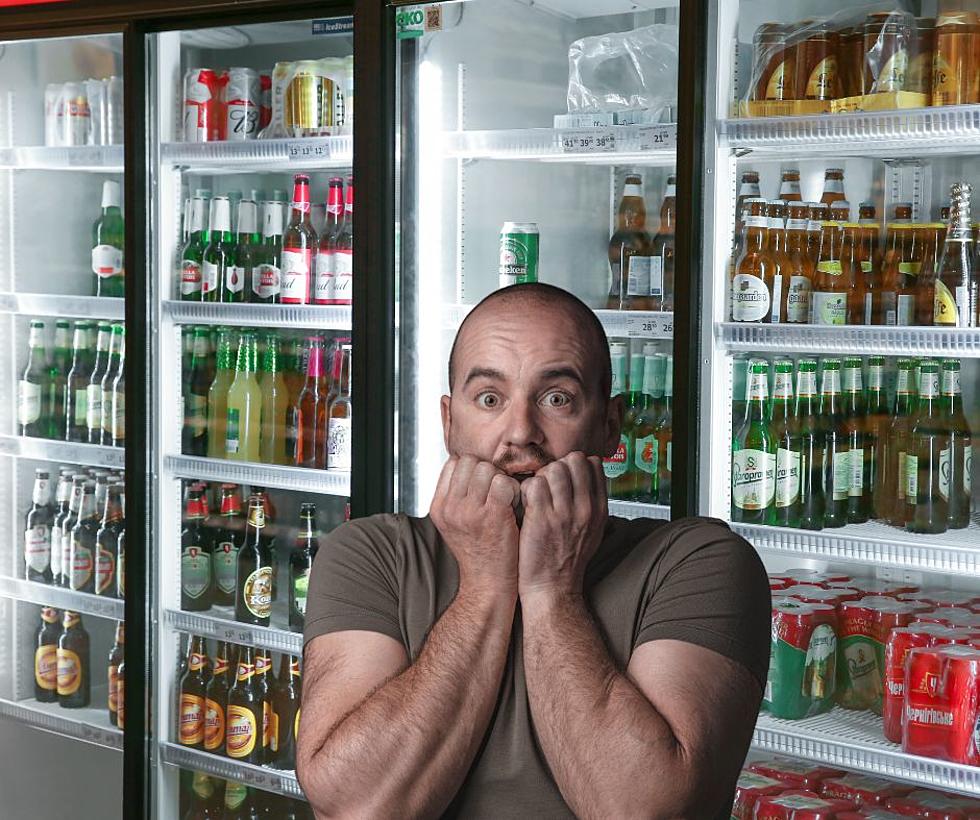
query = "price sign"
{"x": 588, "y": 141}
{"x": 650, "y": 326}
{"x": 305, "y": 151}
{"x": 658, "y": 137}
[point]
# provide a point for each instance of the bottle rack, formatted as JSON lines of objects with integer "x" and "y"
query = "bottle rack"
{"x": 270, "y": 780}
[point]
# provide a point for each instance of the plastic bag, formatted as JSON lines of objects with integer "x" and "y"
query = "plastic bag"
{"x": 312, "y": 98}
{"x": 624, "y": 71}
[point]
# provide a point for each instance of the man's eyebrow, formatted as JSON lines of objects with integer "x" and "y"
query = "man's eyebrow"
{"x": 484, "y": 373}
{"x": 562, "y": 373}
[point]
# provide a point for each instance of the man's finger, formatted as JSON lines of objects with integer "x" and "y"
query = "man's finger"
{"x": 461, "y": 477}
{"x": 598, "y": 478}
{"x": 560, "y": 487}
{"x": 504, "y": 491}
{"x": 480, "y": 481}
{"x": 582, "y": 477}
{"x": 445, "y": 480}
{"x": 535, "y": 493}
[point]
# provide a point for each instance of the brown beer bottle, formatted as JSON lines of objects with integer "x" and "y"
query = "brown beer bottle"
{"x": 789, "y": 186}
{"x": 749, "y": 189}
{"x": 934, "y": 238}
{"x": 853, "y": 251}
{"x": 74, "y": 682}
{"x": 115, "y": 661}
{"x": 285, "y": 714}
{"x": 895, "y": 479}
{"x": 227, "y": 542}
{"x": 241, "y": 803}
{"x": 956, "y": 473}
{"x": 816, "y": 64}
{"x": 253, "y": 595}
{"x": 818, "y": 214}
{"x": 957, "y": 283}
{"x": 206, "y": 799}
{"x": 955, "y": 74}
{"x": 82, "y": 544}
{"x": 877, "y": 422}
{"x": 263, "y": 665}
{"x": 193, "y": 686}
{"x": 196, "y": 585}
{"x": 243, "y": 721}
{"x": 121, "y": 696}
{"x": 662, "y": 253}
{"x": 927, "y": 492}
{"x": 801, "y": 267}
{"x": 755, "y": 270}
{"x": 828, "y": 305}
{"x": 833, "y": 186}
{"x": 777, "y": 212}
{"x": 46, "y": 656}
{"x": 630, "y": 286}
{"x": 216, "y": 700}
{"x": 107, "y": 539}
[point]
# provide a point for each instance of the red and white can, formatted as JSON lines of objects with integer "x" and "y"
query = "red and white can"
{"x": 801, "y": 805}
{"x": 962, "y": 600}
{"x": 202, "y": 105}
{"x": 864, "y": 790}
{"x": 265, "y": 100}
{"x": 241, "y": 97}
{"x": 961, "y": 681}
{"x": 796, "y": 774}
{"x": 928, "y": 716}
{"x": 749, "y": 789}
{"x": 900, "y": 643}
{"x": 931, "y": 806}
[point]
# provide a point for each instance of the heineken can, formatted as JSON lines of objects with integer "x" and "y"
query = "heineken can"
{"x": 518, "y": 253}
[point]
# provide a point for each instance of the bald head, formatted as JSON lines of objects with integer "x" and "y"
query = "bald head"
{"x": 537, "y": 302}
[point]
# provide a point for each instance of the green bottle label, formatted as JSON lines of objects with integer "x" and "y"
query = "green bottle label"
{"x": 232, "y": 440}
{"x": 787, "y": 477}
{"x": 619, "y": 463}
{"x": 81, "y": 407}
{"x": 911, "y": 478}
{"x": 841, "y": 475}
{"x": 195, "y": 572}
{"x": 196, "y": 408}
{"x": 301, "y": 585}
{"x": 753, "y": 479}
{"x": 225, "y": 560}
{"x": 646, "y": 454}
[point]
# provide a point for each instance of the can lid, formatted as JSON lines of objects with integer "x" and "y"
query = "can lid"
{"x": 520, "y": 227}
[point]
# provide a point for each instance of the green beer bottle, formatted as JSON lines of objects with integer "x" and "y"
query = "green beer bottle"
{"x": 810, "y": 427}
{"x": 645, "y": 452}
{"x": 786, "y": 436}
{"x": 196, "y": 385}
{"x": 247, "y": 251}
{"x": 626, "y": 486}
{"x": 664, "y": 433}
{"x": 58, "y": 379}
{"x": 190, "y": 276}
{"x": 754, "y": 455}
{"x": 837, "y": 461}
{"x": 617, "y": 466}
{"x": 108, "y": 236}
{"x": 957, "y": 470}
{"x": 33, "y": 395}
{"x": 859, "y": 490}
{"x": 76, "y": 387}
{"x": 93, "y": 390}
{"x": 895, "y": 479}
{"x": 876, "y": 421}
{"x": 927, "y": 490}
{"x": 218, "y": 268}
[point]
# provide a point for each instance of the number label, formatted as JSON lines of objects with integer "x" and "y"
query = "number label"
{"x": 588, "y": 141}
{"x": 658, "y": 137}
{"x": 650, "y": 326}
{"x": 303, "y": 151}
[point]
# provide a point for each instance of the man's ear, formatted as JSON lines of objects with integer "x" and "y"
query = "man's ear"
{"x": 445, "y": 408}
{"x": 613, "y": 424}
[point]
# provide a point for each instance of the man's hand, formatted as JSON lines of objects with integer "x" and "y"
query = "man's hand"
{"x": 565, "y": 511}
{"x": 474, "y": 511}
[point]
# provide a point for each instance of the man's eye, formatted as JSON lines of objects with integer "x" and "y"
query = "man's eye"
{"x": 557, "y": 399}
{"x": 487, "y": 400}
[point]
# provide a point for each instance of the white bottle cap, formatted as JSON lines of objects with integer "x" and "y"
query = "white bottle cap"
{"x": 111, "y": 197}
{"x": 247, "y": 217}
{"x": 220, "y": 214}
{"x": 271, "y": 219}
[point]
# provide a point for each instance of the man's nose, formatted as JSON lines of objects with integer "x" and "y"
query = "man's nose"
{"x": 523, "y": 424}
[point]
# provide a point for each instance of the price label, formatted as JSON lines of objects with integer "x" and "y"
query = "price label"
{"x": 589, "y": 141}
{"x": 245, "y": 636}
{"x": 304, "y": 151}
{"x": 650, "y": 326}
{"x": 658, "y": 137}
{"x": 114, "y": 457}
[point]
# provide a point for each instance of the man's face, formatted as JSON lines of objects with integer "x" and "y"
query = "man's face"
{"x": 526, "y": 391}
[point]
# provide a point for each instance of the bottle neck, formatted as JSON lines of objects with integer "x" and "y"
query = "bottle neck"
{"x": 42, "y": 491}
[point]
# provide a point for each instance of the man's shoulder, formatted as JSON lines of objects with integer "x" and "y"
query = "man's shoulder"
{"x": 387, "y": 533}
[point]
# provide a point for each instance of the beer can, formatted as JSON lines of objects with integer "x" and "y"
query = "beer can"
{"x": 961, "y": 679}
{"x": 241, "y": 98}
{"x": 114, "y": 110}
{"x": 959, "y": 600}
{"x": 265, "y": 100}
{"x": 304, "y": 113}
{"x": 749, "y": 789}
{"x": 900, "y": 643}
{"x": 800, "y": 805}
{"x": 52, "y": 97}
{"x": 778, "y": 584}
{"x": 519, "y": 243}
{"x": 202, "y": 105}
{"x": 803, "y": 574}
{"x": 860, "y": 679}
{"x": 925, "y": 730}
{"x": 898, "y": 615}
{"x": 74, "y": 117}
{"x": 803, "y": 659}
{"x": 934, "y": 806}
{"x": 863, "y": 789}
{"x": 98, "y": 105}
{"x": 796, "y": 774}
{"x": 818, "y": 595}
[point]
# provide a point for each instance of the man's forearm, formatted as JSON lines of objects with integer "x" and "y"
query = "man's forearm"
{"x": 405, "y": 750}
{"x": 611, "y": 753}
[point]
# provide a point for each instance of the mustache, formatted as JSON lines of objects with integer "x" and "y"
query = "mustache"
{"x": 533, "y": 457}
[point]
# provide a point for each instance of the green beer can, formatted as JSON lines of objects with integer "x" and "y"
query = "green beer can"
{"x": 519, "y": 243}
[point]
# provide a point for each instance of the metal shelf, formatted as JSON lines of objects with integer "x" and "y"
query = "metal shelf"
{"x": 909, "y": 132}
{"x": 320, "y": 482}
{"x": 260, "y": 155}
{"x": 219, "y": 622}
{"x": 652, "y": 145}
{"x": 21, "y": 589}
{"x": 857, "y": 339}
{"x": 78, "y": 307}
{"x": 270, "y": 780}
{"x": 63, "y": 452}
{"x": 99, "y": 158}
{"x": 633, "y": 509}
{"x": 956, "y": 552}
{"x": 320, "y": 317}
{"x": 634, "y": 324}
{"x": 854, "y": 740}
{"x": 89, "y": 724}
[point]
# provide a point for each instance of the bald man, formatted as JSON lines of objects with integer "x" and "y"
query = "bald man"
{"x": 518, "y": 653}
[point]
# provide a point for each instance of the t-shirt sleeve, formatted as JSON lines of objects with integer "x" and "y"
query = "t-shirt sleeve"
{"x": 353, "y": 583}
{"x": 710, "y": 589}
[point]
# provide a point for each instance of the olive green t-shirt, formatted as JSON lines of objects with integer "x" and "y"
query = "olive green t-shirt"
{"x": 691, "y": 580}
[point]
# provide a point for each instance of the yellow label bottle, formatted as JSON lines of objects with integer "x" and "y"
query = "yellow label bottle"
{"x": 244, "y": 414}
{"x": 275, "y": 405}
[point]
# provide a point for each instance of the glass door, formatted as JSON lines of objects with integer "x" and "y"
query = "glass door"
{"x": 537, "y": 143}
{"x": 840, "y": 275}
{"x": 62, "y": 426}
{"x": 253, "y": 204}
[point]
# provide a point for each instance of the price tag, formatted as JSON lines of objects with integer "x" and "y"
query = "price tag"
{"x": 245, "y": 636}
{"x": 115, "y": 457}
{"x": 589, "y": 141}
{"x": 305, "y": 151}
{"x": 658, "y": 137}
{"x": 650, "y": 326}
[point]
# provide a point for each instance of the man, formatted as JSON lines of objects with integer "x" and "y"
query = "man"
{"x": 517, "y": 653}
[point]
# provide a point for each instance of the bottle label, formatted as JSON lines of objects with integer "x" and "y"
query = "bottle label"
{"x": 225, "y": 560}
{"x": 909, "y": 268}
{"x": 326, "y": 275}
{"x": 82, "y": 565}
{"x": 944, "y": 468}
{"x": 93, "y": 407}
{"x": 42, "y": 490}
{"x": 798, "y": 300}
{"x": 856, "y": 489}
{"x": 296, "y": 265}
{"x": 889, "y": 307}
{"x": 56, "y": 541}
{"x": 951, "y": 383}
{"x": 211, "y": 278}
{"x": 829, "y": 308}
{"x": 113, "y": 694}
{"x": 266, "y": 724}
{"x": 777, "y": 296}
{"x": 118, "y": 415}
{"x": 266, "y": 281}
{"x": 968, "y": 469}
{"x": 232, "y": 434}
{"x": 753, "y": 479}
{"x": 789, "y": 187}
{"x": 301, "y": 586}
{"x": 105, "y": 570}
{"x": 191, "y": 719}
{"x": 892, "y": 75}
{"x": 657, "y": 277}
{"x": 670, "y": 460}
{"x": 190, "y": 277}
{"x": 242, "y": 731}
{"x": 787, "y": 477}
{"x": 344, "y": 263}
{"x": 944, "y": 306}
{"x": 37, "y": 547}
{"x": 106, "y": 261}
{"x": 911, "y": 478}
{"x": 46, "y": 667}
{"x": 902, "y": 476}
{"x": 928, "y": 385}
{"x": 28, "y": 402}
{"x": 638, "y": 276}
{"x": 69, "y": 672}
{"x": 121, "y": 575}
{"x": 196, "y": 414}
{"x": 945, "y": 81}
{"x": 274, "y": 725}
{"x": 906, "y": 310}
{"x": 195, "y": 572}
{"x": 646, "y": 454}
{"x": 868, "y": 308}
{"x": 339, "y": 444}
{"x": 235, "y": 278}
{"x": 214, "y": 725}
{"x": 750, "y": 298}
{"x": 841, "y": 475}
{"x": 257, "y": 592}
{"x": 81, "y": 407}
{"x": 619, "y": 463}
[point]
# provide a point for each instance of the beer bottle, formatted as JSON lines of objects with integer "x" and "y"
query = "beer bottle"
{"x": 116, "y": 432}
{"x": 82, "y": 543}
{"x": 868, "y": 220}
{"x": 643, "y": 441}
{"x": 192, "y": 689}
{"x": 852, "y": 257}
{"x": 957, "y": 282}
{"x": 196, "y": 583}
{"x": 37, "y": 530}
{"x": 206, "y": 799}
{"x": 801, "y": 266}
{"x": 218, "y": 253}
{"x": 784, "y": 435}
{"x": 190, "y": 276}
{"x": 828, "y": 305}
{"x": 895, "y": 478}
{"x": 244, "y": 411}
{"x": 33, "y": 394}
{"x": 240, "y": 802}
{"x": 73, "y": 425}
{"x": 57, "y": 380}
{"x": 253, "y": 601}
{"x": 662, "y": 253}
{"x": 934, "y": 238}
{"x": 755, "y": 271}
{"x": 789, "y": 186}
{"x": 927, "y": 462}
{"x": 754, "y": 455}
{"x": 809, "y": 426}
{"x": 749, "y": 189}
{"x": 326, "y": 258}
{"x": 818, "y": 214}
{"x": 833, "y": 186}
{"x": 116, "y": 655}
{"x": 227, "y": 542}
{"x": 776, "y": 246}
{"x": 267, "y": 272}
{"x": 300, "y": 565}
{"x": 630, "y": 285}
{"x": 216, "y": 700}
{"x": 344, "y": 258}
{"x": 299, "y": 243}
{"x": 958, "y": 479}
{"x": 106, "y": 540}
{"x": 664, "y": 434}
{"x": 108, "y": 237}
{"x": 121, "y": 563}
{"x": 837, "y": 461}
{"x": 263, "y": 663}
{"x": 853, "y": 428}
{"x": 217, "y": 397}
{"x": 243, "y": 738}
{"x": 955, "y": 79}
{"x": 46, "y": 656}
{"x": 876, "y": 429}
{"x": 195, "y": 399}
{"x": 108, "y": 375}
{"x": 616, "y": 466}
{"x": 285, "y": 714}
{"x": 64, "y": 520}
{"x": 275, "y": 404}
{"x": 74, "y": 685}
{"x": 339, "y": 441}
{"x": 93, "y": 389}
{"x": 311, "y": 409}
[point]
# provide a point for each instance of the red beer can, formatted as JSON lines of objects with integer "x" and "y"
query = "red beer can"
{"x": 820, "y": 595}
{"x": 878, "y": 586}
{"x": 963, "y": 600}
{"x": 750, "y": 788}
{"x": 202, "y": 105}
{"x": 900, "y": 643}
{"x": 862, "y": 789}
{"x": 776, "y": 584}
{"x": 928, "y": 717}
{"x": 265, "y": 100}
{"x": 796, "y": 774}
{"x": 950, "y": 616}
{"x": 932, "y": 806}
{"x": 961, "y": 681}
{"x": 801, "y": 805}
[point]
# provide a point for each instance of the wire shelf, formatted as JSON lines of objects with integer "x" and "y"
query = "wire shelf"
{"x": 260, "y": 155}
{"x": 89, "y": 724}
{"x": 32, "y": 592}
{"x": 270, "y": 780}
{"x": 78, "y": 307}
{"x": 320, "y": 482}
{"x": 98, "y": 158}
{"x": 634, "y": 509}
{"x": 319, "y": 317}
{"x": 63, "y": 452}
{"x": 220, "y": 623}
{"x": 633, "y": 324}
